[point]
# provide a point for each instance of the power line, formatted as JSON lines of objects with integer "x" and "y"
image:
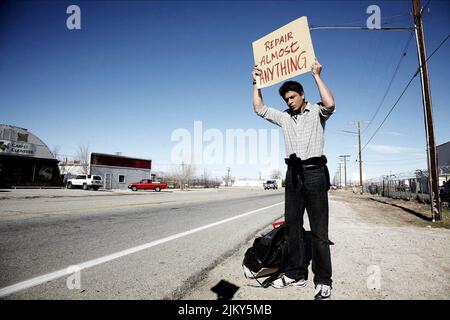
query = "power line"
{"x": 425, "y": 6}
{"x": 390, "y": 111}
{"x": 385, "y": 20}
{"x": 342, "y": 132}
{"x": 362, "y": 28}
{"x": 403, "y": 92}
{"x": 391, "y": 81}
{"x": 440, "y": 45}
{"x": 389, "y": 160}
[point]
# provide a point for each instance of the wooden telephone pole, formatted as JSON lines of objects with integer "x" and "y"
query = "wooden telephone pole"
{"x": 228, "y": 175}
{"x": 360, "y": 160}
{"x": 345, "y": 156}
{"x": 340, "y": 175}
{"x": 426, "y": 99}
{"x": 428, "y": 113}
{"x": 358, "y": 123}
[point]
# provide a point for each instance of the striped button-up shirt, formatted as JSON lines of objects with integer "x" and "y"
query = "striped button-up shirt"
{"x": 303, "y": 132}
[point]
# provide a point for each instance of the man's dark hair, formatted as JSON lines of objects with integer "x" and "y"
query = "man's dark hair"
{"x": 290, "y": 86}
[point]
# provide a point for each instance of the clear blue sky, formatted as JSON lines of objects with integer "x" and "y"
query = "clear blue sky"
{"x": 138, "y": 70}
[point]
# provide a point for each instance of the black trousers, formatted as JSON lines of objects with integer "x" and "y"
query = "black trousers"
{"x": 307, "y": 189}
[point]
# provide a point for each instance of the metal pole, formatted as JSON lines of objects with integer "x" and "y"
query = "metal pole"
{"x": 345, "y": 168}
{"x": 428, "y": 113}
{"x": 340, "y": 175}
{"x": 360, "y": 160}
{"x": 345, "y": 173}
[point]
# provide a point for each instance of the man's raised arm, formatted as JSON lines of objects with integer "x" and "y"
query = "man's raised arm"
{"x": 258, "y": 102}
{"x": 325, "y": 93}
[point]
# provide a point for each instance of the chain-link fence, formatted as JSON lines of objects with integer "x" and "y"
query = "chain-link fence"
{"x": 412, "y": 185}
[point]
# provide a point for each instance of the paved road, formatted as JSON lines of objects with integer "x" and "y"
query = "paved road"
{"x": 181, "y": 235}
{"x": 381, "y": 252}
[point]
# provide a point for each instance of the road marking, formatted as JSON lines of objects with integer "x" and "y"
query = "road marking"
{"x": 140, "y": 204}
{"x": 88, "y": 264}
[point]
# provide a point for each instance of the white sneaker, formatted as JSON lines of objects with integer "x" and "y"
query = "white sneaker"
{"x": 248, "y": 273}
{"x": 283, "y": 282}
{"x": 323, "y": 292}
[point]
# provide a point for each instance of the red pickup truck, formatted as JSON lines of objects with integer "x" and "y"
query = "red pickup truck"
{"x": 147, "y": 184}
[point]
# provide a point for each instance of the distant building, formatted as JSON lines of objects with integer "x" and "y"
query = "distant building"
{"x": 118, "y": 171}
{"x": 70, "y": 169}
{"x": 443, "y": 154}
{"x": 443, "y": 159}
{"x": 25, "y": 160}
{"x": 246, "y": 183}
{"x": 253, "y": 183}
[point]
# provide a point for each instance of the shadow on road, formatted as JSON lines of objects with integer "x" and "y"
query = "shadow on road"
{"x": 224, "y": 290}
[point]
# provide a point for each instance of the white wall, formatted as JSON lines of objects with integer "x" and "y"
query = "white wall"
{"x": 131, "y": 175}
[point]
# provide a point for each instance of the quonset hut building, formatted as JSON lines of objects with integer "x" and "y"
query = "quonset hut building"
{"x": 25, "y": 160}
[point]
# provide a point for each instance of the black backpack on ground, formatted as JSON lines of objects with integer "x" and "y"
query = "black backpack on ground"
{"x": 267, "y": 257}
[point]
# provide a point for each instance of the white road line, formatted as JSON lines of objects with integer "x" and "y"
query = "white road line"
{"x": 88, "y": 264}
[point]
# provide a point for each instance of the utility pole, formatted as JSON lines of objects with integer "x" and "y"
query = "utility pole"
{"x": 340, "y": 181}
{"x": 358, "y": 123}
{"x": 360, "y": 160}
{"x": 336, "y": 182}
{"x": 342, "y": 169}
{"x": 426, "y": 100}
{"x": 183, "y": 173}
{"x": 345, "y": 156}
{"x": 228, "y": 175}
{"x": 428, "y": 113}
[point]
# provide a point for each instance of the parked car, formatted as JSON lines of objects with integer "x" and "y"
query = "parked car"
{"x": 270, "y": 184}
{"x": 85, "y": 181}
{"x": 147, "y": 184}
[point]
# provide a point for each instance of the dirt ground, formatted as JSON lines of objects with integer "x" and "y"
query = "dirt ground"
{"x": 381, "y": 251}
{"x": 412, "y": 208}
{"x": 409, "y": 213}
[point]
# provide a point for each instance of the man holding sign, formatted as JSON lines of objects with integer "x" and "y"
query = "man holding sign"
{"x": 307, "y": 177}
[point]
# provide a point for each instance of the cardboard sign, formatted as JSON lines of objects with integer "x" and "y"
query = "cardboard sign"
{"x": 284, "y": 53}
